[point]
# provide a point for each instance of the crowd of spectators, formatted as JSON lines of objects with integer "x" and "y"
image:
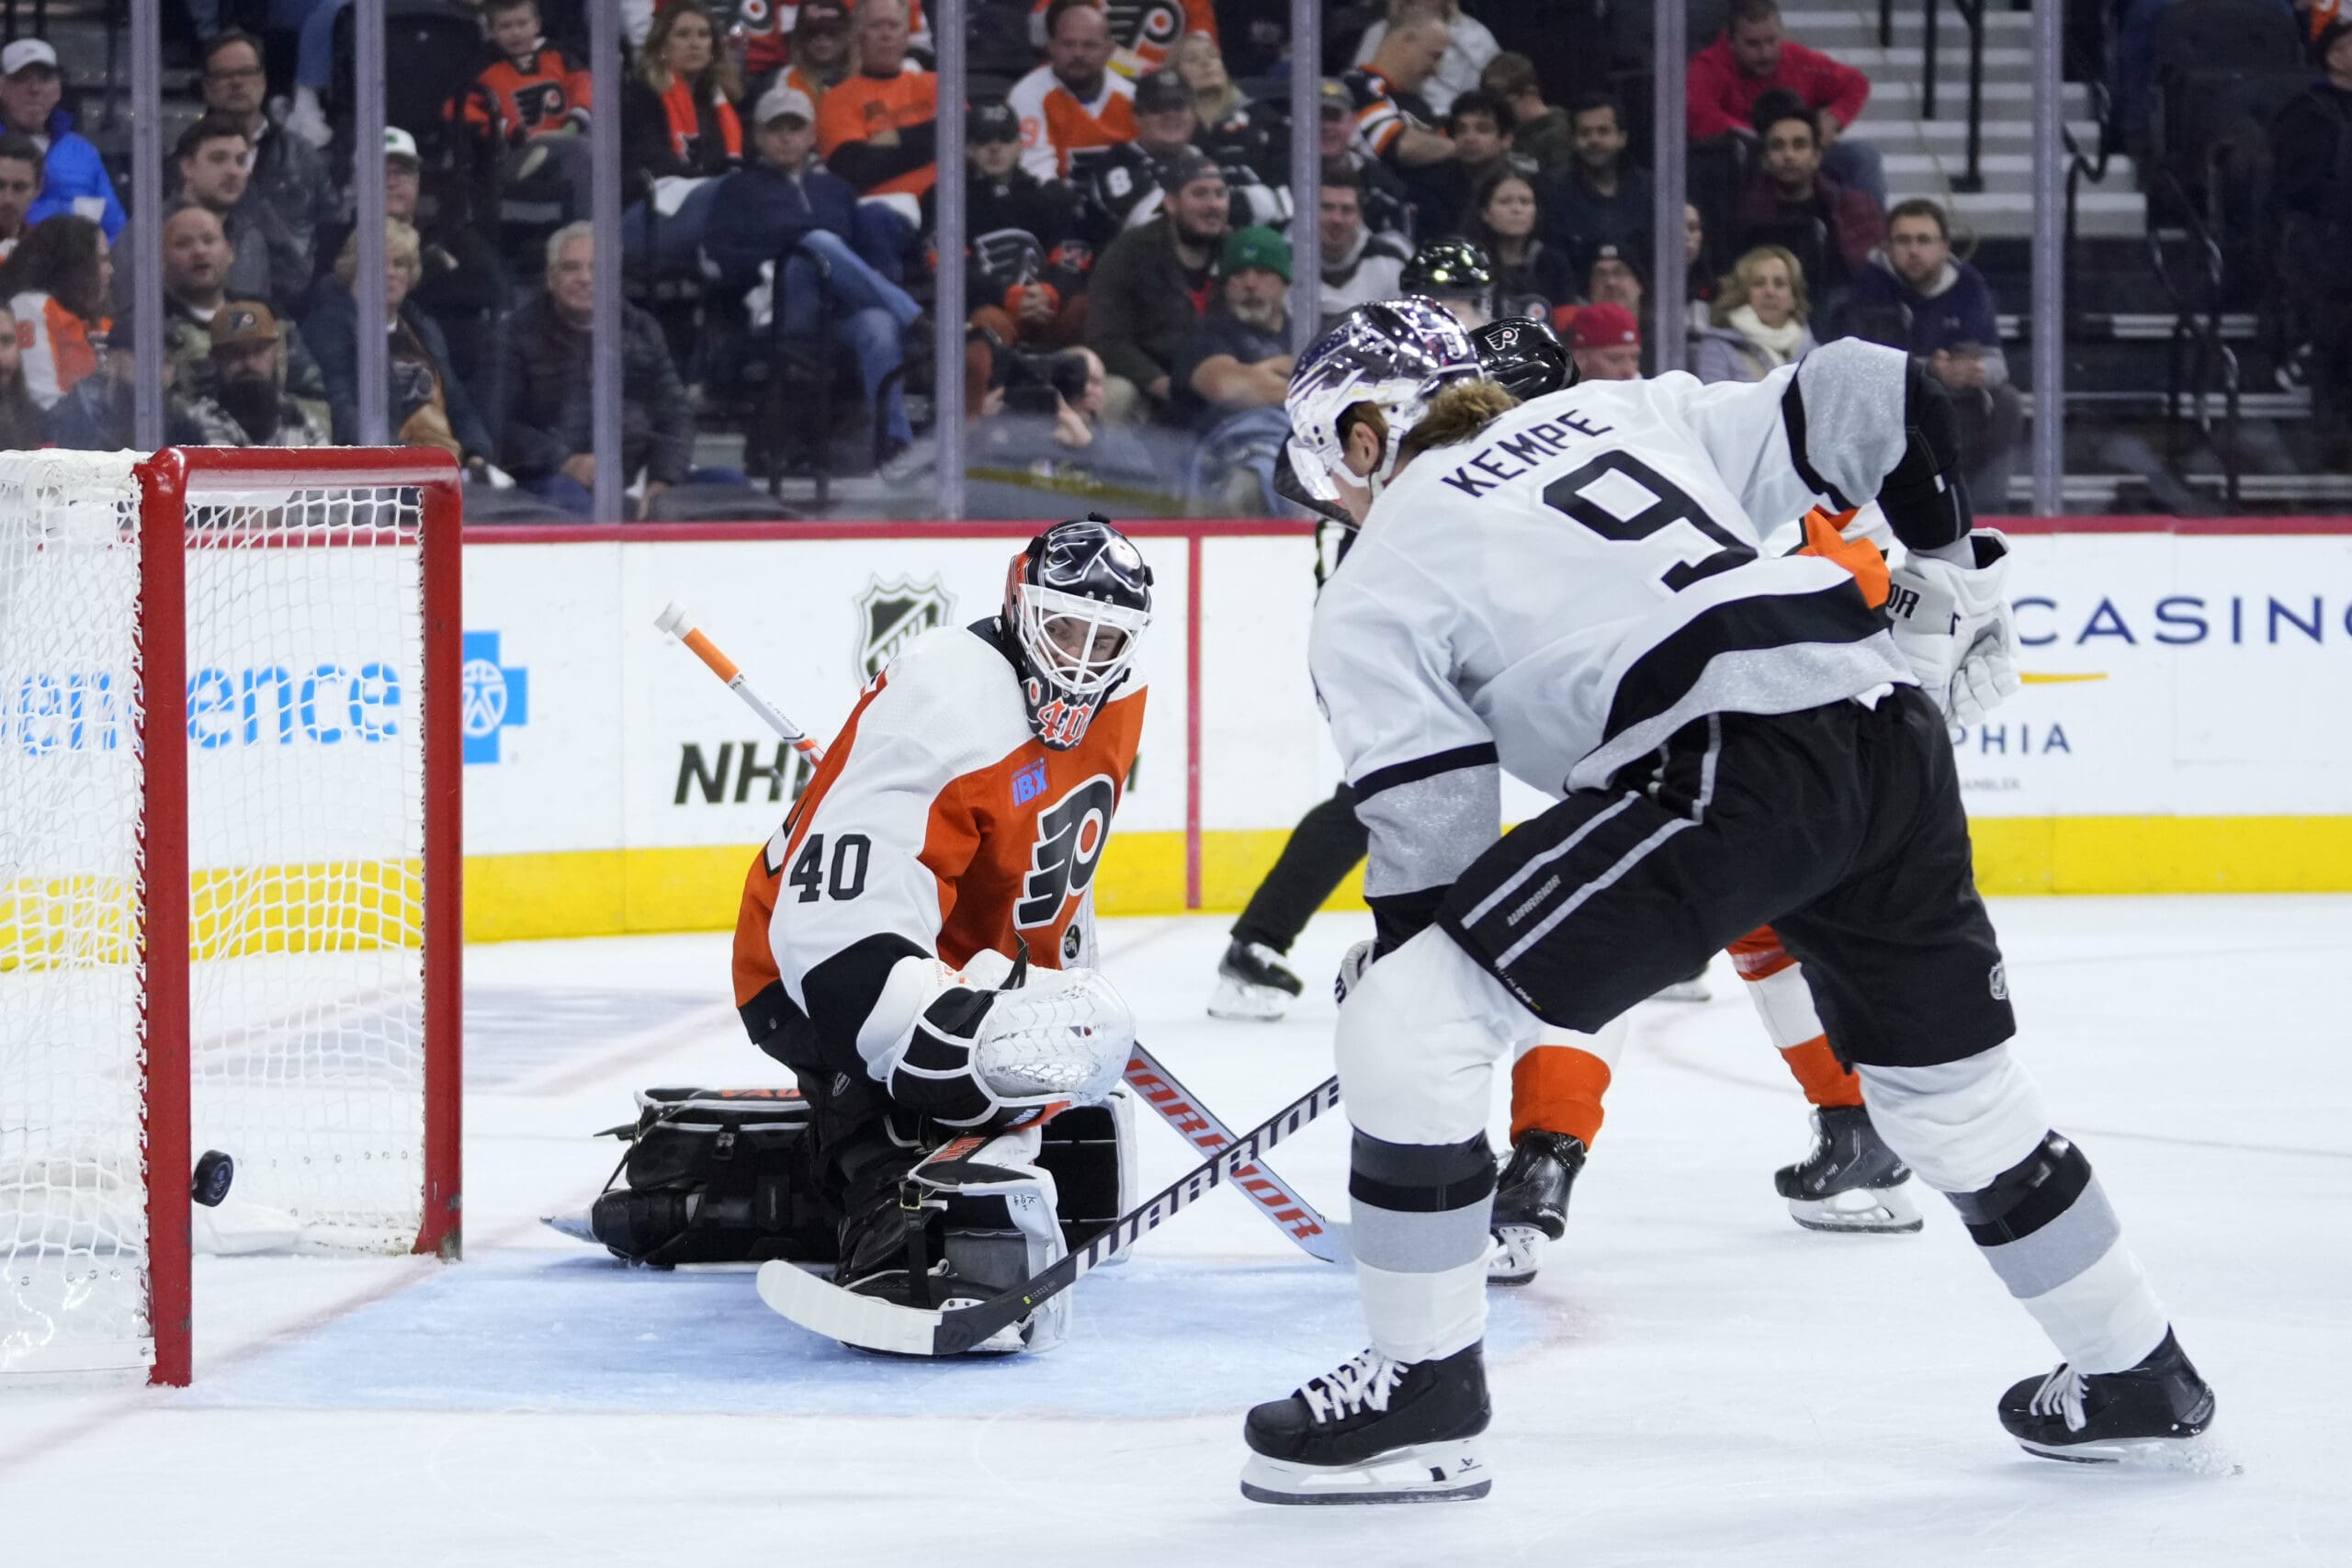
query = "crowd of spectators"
{"x": 1127, "y": 266}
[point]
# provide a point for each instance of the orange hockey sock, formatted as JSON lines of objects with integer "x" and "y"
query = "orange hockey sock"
{"x": 1557, "y": 1089}
{"x": 1827, "y": 1081}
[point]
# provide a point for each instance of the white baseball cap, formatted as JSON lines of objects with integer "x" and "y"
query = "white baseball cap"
{"x": 782, "y": 99}
{"x": 398, "y": 144}
{"x": 27, "y": 51}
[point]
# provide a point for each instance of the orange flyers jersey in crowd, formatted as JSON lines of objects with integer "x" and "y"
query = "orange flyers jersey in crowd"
{"x": 514, "y": 99}
{"x": 765, "y": 28}
{"x": 863, "y": 107}
{"x": 55, "y": 346}
{"x": 936, "y": 825}
{"x": 1055, "y": 123}
{"x": 1145, "y": 30}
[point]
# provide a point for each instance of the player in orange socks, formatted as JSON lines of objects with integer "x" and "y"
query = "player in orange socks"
{"x": 1850, "y": 1180}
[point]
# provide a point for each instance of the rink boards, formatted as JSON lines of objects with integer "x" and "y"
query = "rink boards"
{"x": 2178, "y": 732}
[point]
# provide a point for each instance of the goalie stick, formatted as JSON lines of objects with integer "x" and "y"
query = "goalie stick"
{"x": 872, "y": 1323}
{"x": 1192, "y": 1121}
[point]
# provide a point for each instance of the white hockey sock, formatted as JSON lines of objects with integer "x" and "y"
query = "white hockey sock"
{"x": 1423, "y": 1316}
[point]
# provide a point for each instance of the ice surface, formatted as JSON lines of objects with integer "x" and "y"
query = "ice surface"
{"x": 1693, "y": 1379}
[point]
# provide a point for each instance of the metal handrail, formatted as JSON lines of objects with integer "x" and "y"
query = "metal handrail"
{"x": 2081, "y": 166}
{"x": 1972, "y": 12}
{"x": 2197, "y": 327}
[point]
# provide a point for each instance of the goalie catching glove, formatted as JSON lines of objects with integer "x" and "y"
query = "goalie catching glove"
{"x": 1953, "y": 626}
{"x": 983, "y": 1059}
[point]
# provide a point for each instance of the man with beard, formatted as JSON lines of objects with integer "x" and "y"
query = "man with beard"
{"x": 196, "y": 270}
{"x": 1152, "y": 284}
{"x": 1233, "y": 373}
{"x": 1122, "y": 184}
{"x": 1831, "y": 228}
{"x": 249, "y": 406}
{"x": 1600, "y": 199}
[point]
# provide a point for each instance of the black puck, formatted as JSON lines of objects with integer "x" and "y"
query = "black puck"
{"x": 214, "y": 1171}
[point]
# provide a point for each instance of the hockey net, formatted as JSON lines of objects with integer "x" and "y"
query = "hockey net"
{"x": 228, "y": 864}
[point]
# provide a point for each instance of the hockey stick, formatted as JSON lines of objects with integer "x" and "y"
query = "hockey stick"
{"x": 870, "y": 1323}
{"x": 1198, "y": 1125}
{"x": 1293, "y": 1216}
{"x": 673, "y": 619}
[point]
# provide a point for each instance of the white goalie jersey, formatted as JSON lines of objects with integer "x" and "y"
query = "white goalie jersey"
{"x": 1559, "y": 594}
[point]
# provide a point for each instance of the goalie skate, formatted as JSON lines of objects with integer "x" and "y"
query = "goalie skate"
{"x": 1851, "y": 1180}
{"x": 1253, "y": 984}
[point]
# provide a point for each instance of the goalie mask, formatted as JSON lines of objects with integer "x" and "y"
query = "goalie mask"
{"x": 1076, "y": 603}
{"x": 1395, "y": 355}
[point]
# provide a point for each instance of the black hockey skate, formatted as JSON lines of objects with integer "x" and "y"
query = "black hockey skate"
{"x": 1531, "y": 1204}
{"x": 2101, "y": 1418}
{"x": 1253, "y": 984}
{"x": 1851, "y": 1180}
{"x": 1373, "y": 1431}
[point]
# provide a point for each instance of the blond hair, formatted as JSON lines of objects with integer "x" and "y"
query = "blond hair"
{"x": 1214, "y": 105}
{"x": 1457, "y": 414}
{"x": 1731, "y": 292}
{"x": 400, "y": 247}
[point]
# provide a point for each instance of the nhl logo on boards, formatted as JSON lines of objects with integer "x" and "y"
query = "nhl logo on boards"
{"x": 1999, "y": 981}
{"x": 891, "y": 614}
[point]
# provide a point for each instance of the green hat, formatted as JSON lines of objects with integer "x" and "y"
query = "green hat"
{"x": 1255, "y": 246}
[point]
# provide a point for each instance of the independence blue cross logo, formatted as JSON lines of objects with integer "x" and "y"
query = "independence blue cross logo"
{"x": 496, "y": 696}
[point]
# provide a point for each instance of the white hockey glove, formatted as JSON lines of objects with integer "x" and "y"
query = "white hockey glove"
{"x": 1352, "y": 967}
{"x": 1953, "y": 626}
{"x": 987, "y": 1059}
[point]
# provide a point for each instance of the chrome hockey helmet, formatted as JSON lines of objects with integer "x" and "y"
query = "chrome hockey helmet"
{"x": 1396, "y": 354}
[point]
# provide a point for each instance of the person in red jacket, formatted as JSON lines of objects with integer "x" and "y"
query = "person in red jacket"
{"x": 1754, "y": 56}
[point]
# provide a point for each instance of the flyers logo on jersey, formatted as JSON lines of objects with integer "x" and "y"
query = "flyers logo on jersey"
{"x": 1070, "y": 836}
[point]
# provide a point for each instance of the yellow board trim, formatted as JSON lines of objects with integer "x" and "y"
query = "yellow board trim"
{"x": 617, "y": 892}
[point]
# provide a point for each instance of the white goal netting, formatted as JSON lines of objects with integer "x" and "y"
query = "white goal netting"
{"x": 305, "y": 786}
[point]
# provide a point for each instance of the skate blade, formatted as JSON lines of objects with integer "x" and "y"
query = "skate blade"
{"x": 1244, "y": 1003}
{"x": 1514, "y": 1254}
{"x": 2195, "y": 1455}
{"x": 1423, "y": 1473}
{"x": 1862, "y": 1211}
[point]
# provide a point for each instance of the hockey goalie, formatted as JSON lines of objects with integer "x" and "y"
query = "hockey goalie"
{"x": 915, "y": 943}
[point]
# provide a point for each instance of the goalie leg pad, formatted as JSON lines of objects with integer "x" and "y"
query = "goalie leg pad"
{"x": 718, "y": 1176}
{"x": 957, "y": 1230}
{"x": 1089, "y": 1151}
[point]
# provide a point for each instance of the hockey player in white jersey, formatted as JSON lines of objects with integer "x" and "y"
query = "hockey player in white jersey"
{"x": 1393, "y": 357}
{"x": 1572, "y": 589}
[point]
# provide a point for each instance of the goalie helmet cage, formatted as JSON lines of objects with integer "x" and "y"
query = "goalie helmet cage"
{"x": 313, "y": 892}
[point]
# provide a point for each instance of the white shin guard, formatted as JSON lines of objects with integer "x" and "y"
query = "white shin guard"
{"x": 1978, "y": 1131}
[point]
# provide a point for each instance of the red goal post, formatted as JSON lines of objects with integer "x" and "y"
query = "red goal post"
{"x": 278, "y": 843}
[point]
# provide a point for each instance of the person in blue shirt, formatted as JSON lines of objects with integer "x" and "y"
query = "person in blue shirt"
{"x": 1916, "y": 297}
{"x": 73, "y": 175}
{"x": 784, "y": 208}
